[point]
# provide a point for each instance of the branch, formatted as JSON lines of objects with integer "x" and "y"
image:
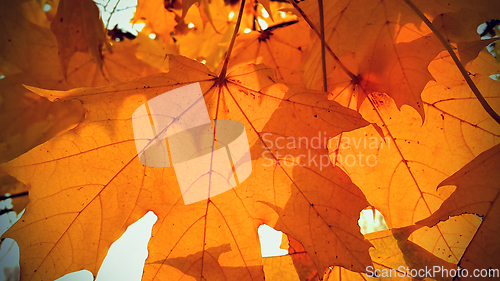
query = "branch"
{"x": 14, "y": 195}
{"x": 460, "y": 66}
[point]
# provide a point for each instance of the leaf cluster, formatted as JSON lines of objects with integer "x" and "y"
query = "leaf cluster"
{"x": 401, "y": 96}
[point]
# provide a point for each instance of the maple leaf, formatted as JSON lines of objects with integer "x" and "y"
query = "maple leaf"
{"x": 459, "y": 22}
{"x": 161, "y": 20}
{"x": 31, "y": 48}
{"x": 127, "y": 189}
{"x": 196, "y": 39}
{"x": 77, "y": 27}
{"x": 477, "y": 192}
{"x": 44, "y": 119}
{"x": 408, "y": 163}
{"x": 455, "y": 128}
{"x": 388, "y": 40}
{"x": 448, "y": 104}
{"x": 22, "y": 42}
{"x": 153, "y": 52}
{"x": 276, "y": 47}
{"x": 389, "y": 53}
{"x": 205, "y": 11}
{"x": 394, "y": 258}
{"x": 392, "y": 254}
{"x": 297, "y": 265}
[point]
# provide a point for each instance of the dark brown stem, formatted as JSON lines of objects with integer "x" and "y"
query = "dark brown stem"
{"x": 322, "y": 37}
{"x": 222, "y": 75}
{"x": 355, "y": 79}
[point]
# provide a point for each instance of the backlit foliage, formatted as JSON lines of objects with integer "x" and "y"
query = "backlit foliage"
{"x": 398, "y": 128}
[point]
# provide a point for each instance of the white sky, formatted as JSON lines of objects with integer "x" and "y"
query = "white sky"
{"x": 125, "y": 259}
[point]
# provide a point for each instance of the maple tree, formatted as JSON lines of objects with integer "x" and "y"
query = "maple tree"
{"x": 412, "y": 75}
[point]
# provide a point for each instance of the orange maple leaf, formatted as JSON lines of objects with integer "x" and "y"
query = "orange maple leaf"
{"x": 120, "y": 189}
{"x": 477, "y": 193}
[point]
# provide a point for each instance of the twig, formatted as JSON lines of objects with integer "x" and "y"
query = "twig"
{"x": 111, "y": 13}
{"x": 8, "y": 250}
{"x": 460, "y": 66}
{"x": 222, "y": 75}
{"x": 14, "y": 195}
{"x": 322, "y": 37}
{"x": 355, "y": 79}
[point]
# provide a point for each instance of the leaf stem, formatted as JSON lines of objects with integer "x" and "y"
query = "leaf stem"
{"x": 322, "y": 37}
{"x": 355, "y": 79}
{"x": 254, "y": 26}
{"x": 222, "y": 75}
{"x": 460, "y": 66}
